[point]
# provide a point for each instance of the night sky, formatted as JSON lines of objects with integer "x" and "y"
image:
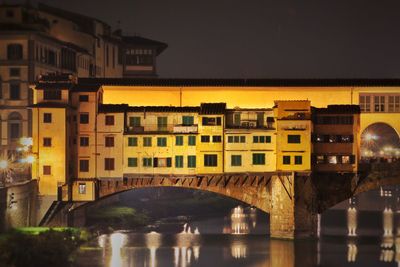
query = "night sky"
{"x": 261, "y": 38}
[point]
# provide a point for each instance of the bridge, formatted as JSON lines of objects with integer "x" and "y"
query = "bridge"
{"x": 292, "y": 199}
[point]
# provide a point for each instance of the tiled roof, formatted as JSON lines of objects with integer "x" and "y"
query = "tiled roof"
{"x": 212, "y": 108}
{"x": 85, "y": 88}
{"x": 49, "y": 105}
{"x": 337, "y": 109}
{"x": 243, "y": 82}
{"x": 57, "y": 85}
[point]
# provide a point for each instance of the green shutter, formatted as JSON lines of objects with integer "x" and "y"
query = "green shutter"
{"x": 191, "y": 161}
{"x": 134, "y": 121}
{"x": 236, "y": 160}
{"x": 179, "y": 140}
{"x": 132, "y": 141}
{"x": 192, "y": 140}
{"x": 255, "y": 139}
{"x": 178, "y": 161}
{"x": 161, "y": 141}
{"x": 258, "y": 159}
{"x": 267, "y": 139}
{"x": 132, "y": 162}
{"x": 146, "y": 141}
{"x": 187, "y": 120}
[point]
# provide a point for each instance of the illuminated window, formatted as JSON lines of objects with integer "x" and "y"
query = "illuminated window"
{"x": 82, "y": 188}
{"x": 162, "y": 162}
{"x": 83, "y": 98}
{"x": 192, "y": 140}
{"x": 210, "y": 160}
{"x": 161, "y": 141}
{"x": 179, "y": 140}
{"x": 84, "y": 165}
{"x": 132, "y": 162}
{"x": 346, "y": 139}
{"x": 293, "y": 139}
{"x": 216, "y": 139}
{"x": 211, "y": 121}
{"x": 47, "y": 141}
{"x": 379, "y": 103}
{"x": 394, "y": 103}
{"x": 258, "y": 159}
{"x": 109, "y": 120}
{"x": 205, "y": 138}
{"x": 84, "y": 118}
{"x": 191, "y": 161}
{"x": 109, "y": 141}
{"x": 47, "y": 117}
{"x": 236, "y": 160}
{"x": 332, "y": 160}
{"x": 146, "y": 141}
{"x": 365, "y": 103}
{"x": 286, "y": 160}
{"x": 320, "y": 159}
{"x": 345, "y": 159}
{"x": 46, "y": 170}
{"x": 84, "y": 141}
{"x": 178, "y": 161}
{"x": 147, "y": 162}
{"x": 109, "y": 164}
{"x": 132, "y": 141}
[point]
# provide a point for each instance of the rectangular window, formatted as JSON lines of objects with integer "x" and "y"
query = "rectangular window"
{"x": 83, "y": 98}
{"x": 146, "y": 141}
{"x": 15, "y": 72}
{"x": 230, "y": 139}
{"x": 255, "y": 139}
{"x": 109, "y": 120}
{"x": 82, "y": 188}
{"x": 161, "y": 141}
{"x": 15, "y": 91}
{"x": 345, "y": 159}
{"x": 236, "y": 119}
{"x": 47, "y": 141}
{"x": 84, "y": 118}
{"x": 286, "y": 160}
{"x": 320, "y": 159}
{"x": 84, "y": 141}
{"x": 109, "y": 164}
{"x": 178, "y": 161}
{"x": 147, "y": 162}
{"x": 187, "y": 120}
{"x": 211, "y": 121}
{"x": 298, "y": 160}
{"x": 162, "y": 123}
{"x": 15, "y": 130}
{"x": 205, "y": 138}
{"x": 52, "y": 94}
{"x": 332, "y": 160}
{"x": 132, "y": 141}
{"x": 216, "y": 139}
{"x": 109, "y": 141}
{"x": 132, "y": 162}
{"x": 84, "y": 165}
{"x": 242, "y": 139}
{"x": 293, "y": 139}
{"x": 179, "y": 140}
{"x": 192, "y": 140}
{"x": 365, "y": 103}
{"x": 210, "y": 160}
{"x": 267, "y": 139}
{"x": 191, "y": 161}
{"x": 46, "y": 170}
{"x": 379, "y": 103}
{"x": 47, "y": 117}
{"x": 134, "y": 121}
{"x": 258, "y": 159}
{"x": 236, "y": 160}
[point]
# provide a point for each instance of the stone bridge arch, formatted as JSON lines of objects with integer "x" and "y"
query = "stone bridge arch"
{"x": 376, "y": 140}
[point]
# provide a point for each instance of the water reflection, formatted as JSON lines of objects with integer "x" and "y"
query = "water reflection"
{"x": 117, "y": 242}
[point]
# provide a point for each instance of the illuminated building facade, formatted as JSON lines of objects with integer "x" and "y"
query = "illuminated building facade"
{"x": 78, "y": 138}
{"x": 42, "y": 39}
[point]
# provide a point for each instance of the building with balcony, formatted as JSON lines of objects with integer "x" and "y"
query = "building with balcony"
{"x": 41, "y": 39}
{"x": 79, "y": 139}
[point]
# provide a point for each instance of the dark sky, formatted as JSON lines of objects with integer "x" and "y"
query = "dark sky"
{"x": 261, "y": 38}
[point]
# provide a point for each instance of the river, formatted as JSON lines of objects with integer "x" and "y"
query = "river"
{"x": 240, "y": 239}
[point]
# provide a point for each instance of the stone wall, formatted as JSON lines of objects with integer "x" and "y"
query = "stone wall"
{"x": 18, "y": 205}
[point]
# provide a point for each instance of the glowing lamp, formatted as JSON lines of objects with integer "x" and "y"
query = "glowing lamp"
{"x": 3, "y": 164}
{"x": 26, "y": 141}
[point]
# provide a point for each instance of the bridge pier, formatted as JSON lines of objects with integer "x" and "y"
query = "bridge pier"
{"x": 293, "y": 210}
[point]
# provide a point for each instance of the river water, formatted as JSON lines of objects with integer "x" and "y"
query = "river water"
{"x": 241, "y": 239}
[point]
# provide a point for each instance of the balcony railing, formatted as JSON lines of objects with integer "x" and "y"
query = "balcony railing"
{"x": 185, "y": 129}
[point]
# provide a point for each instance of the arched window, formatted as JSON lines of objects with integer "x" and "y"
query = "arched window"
{"x": 14, "y": 51}
{"x": 14, "y": 125}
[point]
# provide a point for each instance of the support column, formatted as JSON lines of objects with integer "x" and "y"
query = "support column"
{"x": 292, "y": 207}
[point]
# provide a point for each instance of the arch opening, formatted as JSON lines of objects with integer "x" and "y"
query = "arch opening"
{"x": 380, "y": 141}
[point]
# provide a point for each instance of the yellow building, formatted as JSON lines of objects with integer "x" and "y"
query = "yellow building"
{"x": 91, "y": 140}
